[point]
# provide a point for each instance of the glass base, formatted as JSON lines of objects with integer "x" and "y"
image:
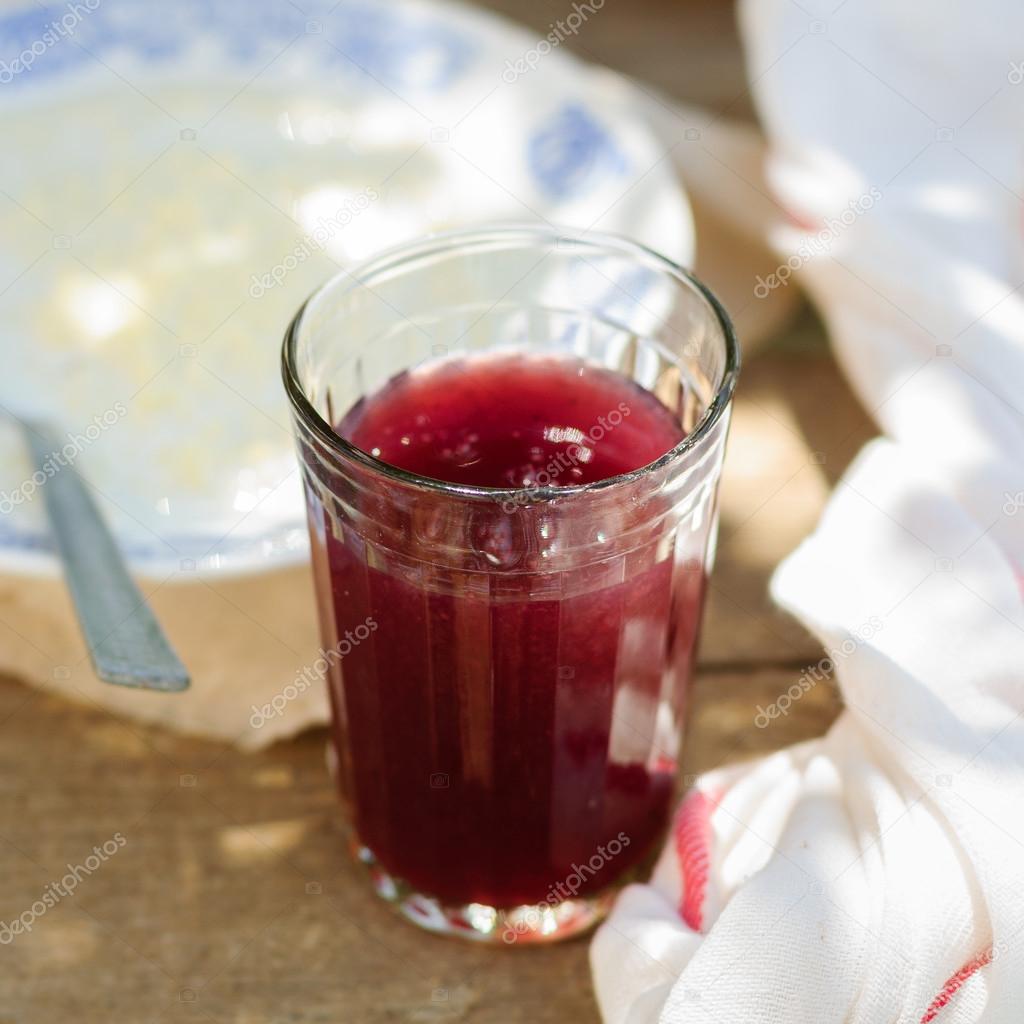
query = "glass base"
{"x": 529, "y": 923}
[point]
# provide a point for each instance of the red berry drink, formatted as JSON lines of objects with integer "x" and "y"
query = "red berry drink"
{"x": 509, "y": 549}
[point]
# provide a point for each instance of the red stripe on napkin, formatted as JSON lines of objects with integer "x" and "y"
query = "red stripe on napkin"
{"x": 692, "y": 834}
{"x": 954, "y": 983}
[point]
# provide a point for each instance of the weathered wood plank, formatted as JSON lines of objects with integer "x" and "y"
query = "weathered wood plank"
{"x": 233, "y": 897}
{"x": 796, "y": 427}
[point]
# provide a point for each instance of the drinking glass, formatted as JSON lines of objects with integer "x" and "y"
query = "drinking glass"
{"x": 509, "y": 669}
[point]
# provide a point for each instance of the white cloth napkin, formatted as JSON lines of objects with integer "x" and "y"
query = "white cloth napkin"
{"x": 876, "y": 875}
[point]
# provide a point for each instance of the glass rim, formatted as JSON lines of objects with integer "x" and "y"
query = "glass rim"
{"x": 396, "y": 256}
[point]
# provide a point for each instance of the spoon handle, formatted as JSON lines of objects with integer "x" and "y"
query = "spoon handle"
{"x": 126, "y": 644}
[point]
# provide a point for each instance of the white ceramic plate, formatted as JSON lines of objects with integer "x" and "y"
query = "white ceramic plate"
{"x": 178, "y": 177}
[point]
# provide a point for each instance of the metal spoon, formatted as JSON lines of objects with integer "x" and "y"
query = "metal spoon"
{"x": 126, "y": 644}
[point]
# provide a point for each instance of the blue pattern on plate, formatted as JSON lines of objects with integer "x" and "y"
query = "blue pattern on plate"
{"x": 189, "y": 550}
{"x": 572, "y": 152}
{"x": 389, "y": 45}
{"x": 405, "y": 52}
{"x": 30, "y": 34}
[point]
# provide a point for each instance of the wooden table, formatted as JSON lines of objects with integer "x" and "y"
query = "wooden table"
{"x": 233, "y": 899}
